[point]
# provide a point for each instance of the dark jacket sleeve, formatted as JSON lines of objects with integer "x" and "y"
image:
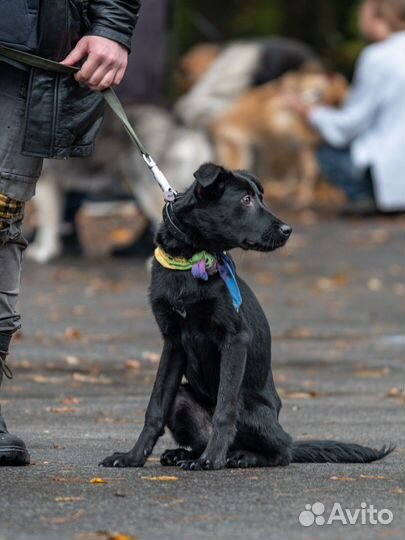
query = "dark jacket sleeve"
{"x": 113, "y": 19}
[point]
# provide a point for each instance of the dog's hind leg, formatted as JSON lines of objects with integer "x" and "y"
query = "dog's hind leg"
{"x": 260, "y": 440}
{"x": 191, "y": 426}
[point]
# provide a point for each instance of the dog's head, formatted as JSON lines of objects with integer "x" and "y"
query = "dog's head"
{"x": 224, "y": 210}
{"x": 316, "y": 88}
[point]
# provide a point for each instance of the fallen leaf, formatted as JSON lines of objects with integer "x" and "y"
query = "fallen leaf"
{"x": 45, "y": 380}
{"x": 64, "y": 519}
{"x": 372, "y": 373}
{"x": 398, "y": 491}
{"x": 69, "y": 400}
{"x": 103, "y": 535}
{"x": 90, "y": 379}
{"x": 72, "y": 360}
{"x": 61, "y": 410}
{"x": 72, "y": 334}
{"x": 174, "y": 502}
{"x": 160, "y": 478}
{"x": 67, "y": 499}
{"x": 98, "y": 480}
{"x": 396, "y": 393}
{"x": 288, "y": 394}
{"x": 151, "y": 357}
{"x": 58, "y": 447}
{"x": 67, "y": 480}
{"x": 374, "y": 284}
{"x": 331, "y": 283}
{"x": 299, "y": 333}
{"x": 133, "y": 364}
{"x": 373, "y": 477}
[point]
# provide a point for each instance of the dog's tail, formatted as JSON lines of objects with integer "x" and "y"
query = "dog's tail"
{"x": 336, "y": 452}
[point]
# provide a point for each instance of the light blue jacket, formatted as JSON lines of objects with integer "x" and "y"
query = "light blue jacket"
{"x": 372, "y": 120}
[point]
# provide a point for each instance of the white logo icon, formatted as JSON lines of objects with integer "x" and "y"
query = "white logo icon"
{"x": 365, "y": 515}
{"x": 312, "y": 514}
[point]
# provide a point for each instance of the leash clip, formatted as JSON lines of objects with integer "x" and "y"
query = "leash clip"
{"x": 169, "y": 193}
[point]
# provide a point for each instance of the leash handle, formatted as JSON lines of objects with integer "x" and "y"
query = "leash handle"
{"x": 111, "y": 99}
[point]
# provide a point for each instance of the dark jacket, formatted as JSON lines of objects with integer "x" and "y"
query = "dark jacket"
{"x": 63, "y": 118}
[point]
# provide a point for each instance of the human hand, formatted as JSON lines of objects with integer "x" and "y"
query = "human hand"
{"x": 105, "y": 64}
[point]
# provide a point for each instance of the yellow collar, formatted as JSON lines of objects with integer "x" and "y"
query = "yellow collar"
{"x": 181, "y": 263}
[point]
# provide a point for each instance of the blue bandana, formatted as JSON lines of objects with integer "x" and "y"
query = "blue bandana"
{"x": 224, "y": 265}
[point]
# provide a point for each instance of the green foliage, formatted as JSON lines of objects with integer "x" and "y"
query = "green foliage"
{"x": 329, "y": 26}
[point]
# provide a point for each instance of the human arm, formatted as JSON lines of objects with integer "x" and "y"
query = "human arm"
{"x": 106, "y": 43}
{"x": 339, "y": 127}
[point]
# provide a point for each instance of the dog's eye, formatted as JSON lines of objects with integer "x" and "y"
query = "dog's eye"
{"x": 247, "y": 200}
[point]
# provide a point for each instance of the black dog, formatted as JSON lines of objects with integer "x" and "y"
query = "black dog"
{"x": 227, "y": 412}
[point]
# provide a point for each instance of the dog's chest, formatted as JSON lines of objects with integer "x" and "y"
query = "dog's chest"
{"x": 203, "y": 357}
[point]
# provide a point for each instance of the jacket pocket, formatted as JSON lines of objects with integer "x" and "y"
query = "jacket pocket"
{"x": 16, "y": 22}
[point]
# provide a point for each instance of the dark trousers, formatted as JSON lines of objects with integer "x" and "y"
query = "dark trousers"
{"x": 338, "y": 167}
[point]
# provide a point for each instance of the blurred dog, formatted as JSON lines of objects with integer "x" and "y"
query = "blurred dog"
{"x": 261, "y": 128}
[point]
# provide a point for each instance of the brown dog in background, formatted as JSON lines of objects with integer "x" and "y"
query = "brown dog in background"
{"x": 261, "y": 128}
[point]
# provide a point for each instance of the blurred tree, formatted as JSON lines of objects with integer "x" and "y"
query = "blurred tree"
{"x": 327, "y": 25}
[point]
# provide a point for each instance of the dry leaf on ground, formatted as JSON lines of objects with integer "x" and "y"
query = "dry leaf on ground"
{"x": 151, "y": 357}
{"x": 72, "y": 334}
{"x": 373, "y": 477}
{"x": 103, "y": 535}
{"x": 160, "y": 478}
{"x": 60, "y": 520}
{"x": 372, "y": 373}
{"x": 133, "y": 364}
{"x": 98, "y": 480}
{"x": 67, "y": 499}
{"x": 62, "y": 410}
{"x": 90, "y": 379}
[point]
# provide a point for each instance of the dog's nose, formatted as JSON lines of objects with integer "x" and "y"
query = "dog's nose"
{"x": 285, "y": 229}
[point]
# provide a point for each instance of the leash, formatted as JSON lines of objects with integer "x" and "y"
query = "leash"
{"x": 111, "y": 99}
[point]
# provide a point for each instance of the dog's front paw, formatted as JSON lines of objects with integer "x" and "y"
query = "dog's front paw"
{"x": 241, "y": 460}
{"x": 170, "y": 458}
{"x": 122, "y": 459}
{"x": 202, "y": 464}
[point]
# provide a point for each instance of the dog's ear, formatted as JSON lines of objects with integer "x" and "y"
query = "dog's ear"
{"x": 210, "y": 180}
{"x": 208, "y": 173}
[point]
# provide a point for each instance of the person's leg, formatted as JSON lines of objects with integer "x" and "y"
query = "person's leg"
{"x": 12, "y": 245}
{"x": 337, "y": 166}
{"x": 18, "y": 175}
